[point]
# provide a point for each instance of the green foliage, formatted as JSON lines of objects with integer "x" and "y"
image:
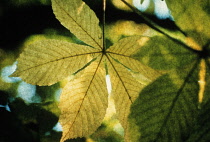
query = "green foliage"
{"x": 191, "y": 15}
{"x": 162, "y": 55}
{"x": 160, "y": 84}
{"x": 46, "y": 57}
{"x": 80, "y": 20}
{"x": 173, "y": 107}
{"x": 201, "y": 129}
{"x": 84, "y": 98}
{"x": 105, "y": 134}
{"x": 167, "y": 108}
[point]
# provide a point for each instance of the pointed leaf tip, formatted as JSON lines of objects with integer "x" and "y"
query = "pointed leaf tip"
{"x": 76, "y": 16}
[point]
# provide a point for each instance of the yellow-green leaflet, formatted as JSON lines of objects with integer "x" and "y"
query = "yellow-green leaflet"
{"x": 84, "y": 99}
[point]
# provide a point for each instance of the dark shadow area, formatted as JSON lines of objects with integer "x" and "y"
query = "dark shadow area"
{"x": 17, "y": 23}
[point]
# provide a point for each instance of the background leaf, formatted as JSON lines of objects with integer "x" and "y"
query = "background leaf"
{"x": 162, "y": 53}
{"x": 37, "y": 118}
{"x": 192, "y": 15}
{"x": 167, "y": 109}
{"x": 83, "y": 102}
{"x": 51, "y": 61}
{"x": 76, "y": 16}
{"x": 202, "y": 128}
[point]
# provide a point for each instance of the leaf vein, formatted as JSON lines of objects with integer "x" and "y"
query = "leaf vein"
{"x": 79, "y": 25}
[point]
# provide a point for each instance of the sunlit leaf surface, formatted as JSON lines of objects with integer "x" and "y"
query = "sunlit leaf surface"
{"x": 169, "y": 103}
{"x": 76, "y": 16}
{"x": 84, "y": 102}
{"x": 122, "y": 69}
{"x": 45, "y": 59}
{"x": 84, "y": 99}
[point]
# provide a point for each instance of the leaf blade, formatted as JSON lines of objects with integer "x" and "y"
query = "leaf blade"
{"x": 161, "y": 55}
{"x": 128, "y": 46}
{"x": 128, "y": 76}
{"x": 192, "y": 17}
{"x": 123, "y": 94}
{"x": 76, "y": 16}
{"x": 51, "y": 61}
{"x": 166, "y": 110}
{"x": 202, "y": 128}
{"x": 88, "y": 102}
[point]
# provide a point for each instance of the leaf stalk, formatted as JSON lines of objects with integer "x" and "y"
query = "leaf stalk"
{"x": 104, "y": 21}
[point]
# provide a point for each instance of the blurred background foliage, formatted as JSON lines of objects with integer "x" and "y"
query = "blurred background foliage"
{"x": 28, "y": 112}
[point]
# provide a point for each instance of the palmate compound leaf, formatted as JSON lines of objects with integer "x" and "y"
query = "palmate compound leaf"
{"x": 76, "y": 16}
{"x": 87, "y": 95}
{"x": 84, "y": 99}
{"x": 167, "y": 109}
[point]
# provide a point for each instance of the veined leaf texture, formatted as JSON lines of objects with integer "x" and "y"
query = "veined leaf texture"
{"x": 51, "y": 61}
{"x": 76, "y": 16}
{"x": 84, "y": 99}
{"x": 150, "y": 105}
